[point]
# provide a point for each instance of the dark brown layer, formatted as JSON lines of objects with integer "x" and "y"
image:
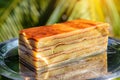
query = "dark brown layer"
{"x": 26, "y": 64}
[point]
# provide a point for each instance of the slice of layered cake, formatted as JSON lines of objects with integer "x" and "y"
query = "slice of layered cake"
{"x": 71, "y": 50}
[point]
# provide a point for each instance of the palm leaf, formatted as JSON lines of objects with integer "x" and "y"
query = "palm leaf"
{"x": 114, "y": 17}
{"x": 18, "y": 14}
{"x": 79, "y": 10}
{"x": 58, "y": 11}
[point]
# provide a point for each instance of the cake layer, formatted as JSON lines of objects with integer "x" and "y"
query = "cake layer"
{"x": 62, "y": 48}
{"x": 71, "y": 39}
{"x": 48, "y": 35}
{"x": 43, "y": 61}
{"x": 86, "y": 68}
{"x": 53, "y": 41}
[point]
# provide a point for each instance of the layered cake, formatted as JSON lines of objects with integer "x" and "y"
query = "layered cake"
{"x": 65, "y": 51}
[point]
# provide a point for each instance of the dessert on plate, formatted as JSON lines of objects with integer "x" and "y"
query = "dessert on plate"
{"x": 64, "y": 51}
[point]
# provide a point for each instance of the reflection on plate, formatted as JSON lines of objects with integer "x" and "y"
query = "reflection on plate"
{"x": 9, "y": 63}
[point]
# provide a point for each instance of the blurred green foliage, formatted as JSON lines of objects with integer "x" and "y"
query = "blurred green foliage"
{"x": 117, "y": 78}
{"x": 18, "y": 14}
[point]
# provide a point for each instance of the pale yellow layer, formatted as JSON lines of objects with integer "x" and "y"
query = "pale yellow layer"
{"x": 86, "y": 51}
{"x": 67, "y": 47}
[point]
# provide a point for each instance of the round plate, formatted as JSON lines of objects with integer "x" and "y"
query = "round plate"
{"x": 9, "y": 62}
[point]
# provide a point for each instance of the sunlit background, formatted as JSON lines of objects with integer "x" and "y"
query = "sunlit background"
{"x": 18, "y": 14}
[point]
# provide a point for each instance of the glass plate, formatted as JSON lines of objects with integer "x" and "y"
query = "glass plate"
{"x": 9, "y": 62}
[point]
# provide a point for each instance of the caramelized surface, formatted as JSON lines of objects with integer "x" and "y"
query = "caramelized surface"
{"x": 37, "y": 33}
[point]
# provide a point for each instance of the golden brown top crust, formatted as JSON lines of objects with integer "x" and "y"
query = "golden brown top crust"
{"x": 37, "y": 33}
